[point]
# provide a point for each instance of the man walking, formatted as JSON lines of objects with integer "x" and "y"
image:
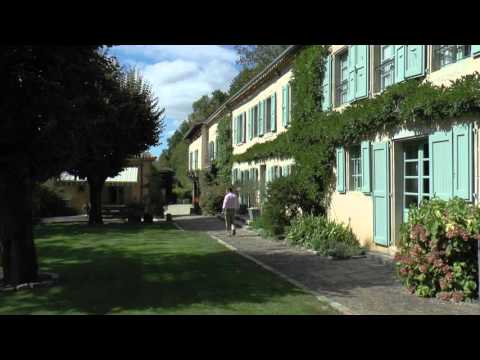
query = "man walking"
{"x": 230, "y": 204}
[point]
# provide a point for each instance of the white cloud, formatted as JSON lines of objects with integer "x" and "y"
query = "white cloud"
{"x": 180, "y": 74}
{"x": 189, "y": 52}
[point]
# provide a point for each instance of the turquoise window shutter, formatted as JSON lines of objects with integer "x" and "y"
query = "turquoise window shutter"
{"x": 285, "y": 171}
{"x": 327, "y": 85}
{"x": 239, "y": 129}
{"x": 234, "y": 131}
{"x": 381, "y": 193}
{"x": 242, "y": 130}
{"x": 365, "y": 156}
{"x": 284, "y": 106}
{"x": 273, "y": 113}
{"x": 361, "y": 71}
{"x": 250, "y": 124}
{"x": 414, "y": 60}
{"x": 462, "y": 161}
{"x": 245, "y": 127}
{"x": 261, "y": 125}
{"x": 399, "y": 63}
{"x": 340, "y": 170}
{"x": 351, "y": 73}
{"x": 287, "y": 104}
{"x": 475, "y": 50}
{"x": 441, "y": 164}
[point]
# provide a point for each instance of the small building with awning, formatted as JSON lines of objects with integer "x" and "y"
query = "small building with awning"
{"x": 131, "y": 185}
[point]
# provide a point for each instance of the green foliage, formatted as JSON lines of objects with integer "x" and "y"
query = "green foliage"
{"x": 224, "y": 160}
{"x": 258, "y": 56}
{"x": 438, "y": 250}
{"x": 47, "y": 202}
{"x": 182, "y": 194}
{"x": 314, "y": 134}
{"x": 278, "y": 148}
{"x": 212, "y": 193}
{"x": 37, "y": 133}
{"x": 280, "y": 205}
{"x": 325, "y": 236}
{"x": 306, "y": 84}
{"x": 242, "y": 78}
{"x": 175, "y": 156}
{"x": 253, "y": 59}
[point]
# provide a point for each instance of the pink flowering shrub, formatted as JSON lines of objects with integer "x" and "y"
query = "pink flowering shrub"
{"x": 438, "y": 251}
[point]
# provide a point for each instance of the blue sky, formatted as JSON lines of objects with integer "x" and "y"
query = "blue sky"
{"x": 180, "y": 74}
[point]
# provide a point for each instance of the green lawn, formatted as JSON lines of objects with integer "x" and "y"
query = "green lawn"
{"x": 156, "y": 269}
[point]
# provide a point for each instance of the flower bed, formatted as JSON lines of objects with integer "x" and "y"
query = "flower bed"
{"x": 326, "y": 237}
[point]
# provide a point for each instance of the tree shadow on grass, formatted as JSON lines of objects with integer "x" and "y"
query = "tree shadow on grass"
{"x": 151, "y": 275}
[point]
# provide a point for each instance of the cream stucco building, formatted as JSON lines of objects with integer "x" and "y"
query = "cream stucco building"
{"x": 378, "y": 181}
{"x": 203, "y": 148}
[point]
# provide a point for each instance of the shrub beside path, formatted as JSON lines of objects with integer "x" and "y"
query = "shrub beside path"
{"x": 364, "y": 286}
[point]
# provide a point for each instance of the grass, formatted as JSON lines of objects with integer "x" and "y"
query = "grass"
{"x": 153, "y": 269}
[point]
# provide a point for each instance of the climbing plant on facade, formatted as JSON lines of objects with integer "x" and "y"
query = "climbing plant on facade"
{"x": 315, "y": 134}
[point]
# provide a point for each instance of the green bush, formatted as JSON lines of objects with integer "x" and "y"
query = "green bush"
{"x": 438, "y": 250}
{"x": 279, "y": 206}
{"x": 263, "y": 230}
{"x": 46, "y": 202}
{"x": 212, "y": 192}
{"x": 325, "y": 236}
{"x": 211, "y": 199}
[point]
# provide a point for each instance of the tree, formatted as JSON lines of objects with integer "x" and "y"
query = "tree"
{"x": 253, "y": 59}
{"x": 243, "y": 77}
{"x": 44, "y": 92}
{"x": 253, "y": 56}
{"x": 176, "y": 154}
{"x": 127, "y": 124}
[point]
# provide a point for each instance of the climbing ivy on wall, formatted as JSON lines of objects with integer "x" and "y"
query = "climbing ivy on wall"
{"x": 314, "y": 134}
{"x": 224, "y": 160}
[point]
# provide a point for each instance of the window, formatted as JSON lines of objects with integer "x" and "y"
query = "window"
{"x": 449, "y": 54}
{"x": 268, "y": 115}
{"x": 241, "y": 128}
{"x": 355, "y": 169}
{"x": 416, "y": 178}
{"x": 196, "y": 160}
{"x": 342, "y": 83}
{"x": 387, "y": 66}
{"x": 190, "y": 163}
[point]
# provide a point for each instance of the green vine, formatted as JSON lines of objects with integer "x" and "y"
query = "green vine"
{"x": 224, "y": 160}
{"x": 314, "y": 134}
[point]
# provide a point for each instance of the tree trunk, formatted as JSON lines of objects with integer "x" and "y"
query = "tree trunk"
{"x": 19, "y": 257}
{"x": 96, "y": 187}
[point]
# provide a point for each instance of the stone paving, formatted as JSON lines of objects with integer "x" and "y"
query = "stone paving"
{"x": 365, "y": 286}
